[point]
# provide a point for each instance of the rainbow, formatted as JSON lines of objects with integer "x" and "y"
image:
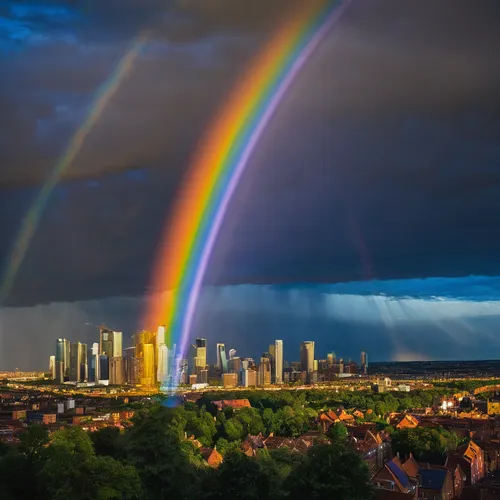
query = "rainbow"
{"x": 32, "y": 218}
{"x": 219, "y": 164}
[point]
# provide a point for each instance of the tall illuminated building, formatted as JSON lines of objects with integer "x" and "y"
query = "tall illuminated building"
{"x": 52, "y": 367}
{"x": 93, "y": 363}
{"x": 116, "y": 371}
{"x": 103, "y": 369}
{"x": 364, "y": 362}
{"x": 331, "y": 358}
{"x": 78, "y": 362}
{"x": 307, "y": 356}
{"x": 62, "y": 360}
{"x": 201, "y": 346}
{"x": 197, "y": 356}
{"x": 221, "y": 358}
{"x": 130, "y": 365}
{"x": 106, "y": 342}
{"x": 149, "y": 376}
{"x": 278, "y": 361}
{"x": 264, "y": 375}
{"x": 162, "y": 373}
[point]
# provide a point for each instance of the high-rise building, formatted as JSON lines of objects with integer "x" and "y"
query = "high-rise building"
{"x": 52, "y": 367}
{"x": 62, "y": 360}
{"x": 93, "y": 363}
{"x": 270, "y": 354}
{"x": 249, "y": 377}
{"x": 78, "y": 362}
{"x": 116, "y": 371}
{"x": 117, "y": 344}
{"x": 364, "y": 362}
{"x": 264, "y": 370}
{"x": 149, "y": 375}
{"x": 307, "y": 356}
{"x": 278, "y": 361}
{"x": 331, "y": 358}
{"x": 130, "y": 365}
{"x": 106, "y": 342}
{"x": 197, "y": 357}
{"x": 201, "y": 352}
{"x": 229, "y": 380}
{"x": 235, "y": 365}
{"x": 221, "y": 358}
{"x": 84, "y": 365}
{"x": 103, "y": 369}
{"x": 162, "y": 374}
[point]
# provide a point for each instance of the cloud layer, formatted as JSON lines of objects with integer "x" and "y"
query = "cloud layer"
{"x": 342, "y": 318}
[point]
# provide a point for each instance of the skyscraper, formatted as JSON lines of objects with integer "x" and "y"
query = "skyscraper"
{"x": 106, "y": 342}
{"x": 331, "y": 358}
{"x": 116, "y": 371}
{"x": 307, "y": 356}
{"x": 103, "y": 369}
{"x": 364, "y": 362}
{"x": 201, "y": 352}
{"x": 278, "y": 361}
{"x": 78, "y": 362}
{"x": 197, "y": 357}
{"x": 93, "y": 362}
{"x": 62, "y": 359}
{"x": 149, "y": 375}
{"x": 163, "y": 368}
{"x": 52, "y": 367}
{"x": 265, "y": 370}
{"x": 221, "y": 358}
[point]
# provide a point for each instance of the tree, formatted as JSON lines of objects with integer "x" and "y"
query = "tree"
{"x": 238, "y": 477}
{"x": 330, "y": 471}
{"x": 166, "y": 463}
{"x": 338, "y": 432}
{"x": 32, "y": 442}
{"x": 107, "y": 441}
{"x": 71, "y": 470}
{"x": 424, "y": 443}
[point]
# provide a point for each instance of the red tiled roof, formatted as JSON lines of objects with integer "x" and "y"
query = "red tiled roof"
{"x": 236, "y": 404}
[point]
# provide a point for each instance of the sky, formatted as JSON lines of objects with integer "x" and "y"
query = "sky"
{"x": 368, "y": 215}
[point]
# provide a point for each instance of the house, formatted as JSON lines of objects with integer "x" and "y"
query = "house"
{"x": 470, "y": 457}
{"x": 459, "y": 478}
{"x": 435, "y": 484}
{"x": 345, "y": 417}
{"x": 407, "y": 422}
{"x": 411, "y": 467}
{"x": 252, "y": 444}
{"x": 393, "y": 477}
{"x": 376, "y": 450}
{"x": 359, "y": 414}
{"x": 235, "y": 404}
{"x": 299, "y": 445}
{"x": 211, "y": 456}
{"x": 326, "y": 419}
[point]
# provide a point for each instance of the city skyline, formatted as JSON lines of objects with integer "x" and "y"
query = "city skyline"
{"x": 151, "y": 362}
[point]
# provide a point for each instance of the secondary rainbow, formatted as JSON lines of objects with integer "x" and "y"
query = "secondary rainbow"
{"x": 32, "y": 218}
{"x": 219, "y": 164}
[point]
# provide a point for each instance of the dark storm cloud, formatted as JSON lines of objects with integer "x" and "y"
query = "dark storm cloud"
{"x": 402, "y": 321}
{"x": 382, "y": 162}
{"x": 383, "y": 59}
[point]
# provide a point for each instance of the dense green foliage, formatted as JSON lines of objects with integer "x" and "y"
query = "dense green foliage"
{"x": 153, "y": 460}
{"x": 426, "y": 444}
{"x": 158, "y": 457}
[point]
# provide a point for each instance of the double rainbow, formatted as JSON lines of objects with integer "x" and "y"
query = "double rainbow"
{"x": 220, "y": 162}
